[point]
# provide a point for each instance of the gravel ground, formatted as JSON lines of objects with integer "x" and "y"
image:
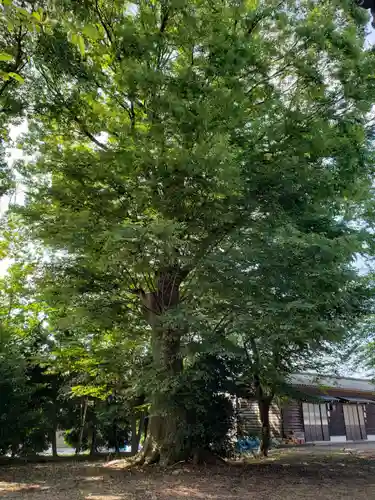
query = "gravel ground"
{"x": 287, "y": 475}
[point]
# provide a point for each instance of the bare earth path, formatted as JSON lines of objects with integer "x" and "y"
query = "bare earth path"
{"x": 288, "y": 475}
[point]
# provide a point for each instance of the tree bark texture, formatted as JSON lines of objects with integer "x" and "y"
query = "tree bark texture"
{"x": 166, "y": 423}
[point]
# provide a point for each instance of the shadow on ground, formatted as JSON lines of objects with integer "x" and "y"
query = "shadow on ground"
{"x": 288, "y": 476}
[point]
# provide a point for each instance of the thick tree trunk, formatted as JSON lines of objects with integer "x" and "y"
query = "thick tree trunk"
{"x": 164, "y": 442}
{"x": 166, "y": 422}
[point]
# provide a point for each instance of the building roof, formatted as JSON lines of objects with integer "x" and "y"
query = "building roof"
{"x": 332, "y": 382}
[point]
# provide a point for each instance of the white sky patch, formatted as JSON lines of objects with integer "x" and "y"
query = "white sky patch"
{"x": 102, "y": 137}
{"x": 14, "y": 154}
{"x": 18, "y": 196}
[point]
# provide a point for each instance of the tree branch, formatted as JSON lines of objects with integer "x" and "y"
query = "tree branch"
{"x": 88, "y": 134}
{"x": 165, "y": 17}
{"x": 102, "y": 22}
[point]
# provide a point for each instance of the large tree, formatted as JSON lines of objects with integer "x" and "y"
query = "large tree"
{"x": 160, "y": 128}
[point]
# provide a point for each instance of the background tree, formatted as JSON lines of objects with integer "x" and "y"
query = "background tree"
{"x": 20, "y": 22}
{"x": 286, "y": 298}
{"x": 23, "y": 426}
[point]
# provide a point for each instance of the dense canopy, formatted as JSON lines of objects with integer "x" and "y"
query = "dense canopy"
{"x": 198, "y": 186}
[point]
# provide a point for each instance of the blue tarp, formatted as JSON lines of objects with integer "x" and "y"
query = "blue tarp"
{"x": 245, "y": 445}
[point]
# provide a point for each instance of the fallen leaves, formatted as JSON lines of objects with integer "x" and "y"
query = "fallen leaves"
{"x": 289, "y": 477}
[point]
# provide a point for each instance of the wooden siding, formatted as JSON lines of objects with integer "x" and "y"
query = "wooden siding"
{"x": 336, "y": 422}
{"x": 370, "y": 419}
{"x": 292, "y": 418}
{"x": 249, "y": 418}
{"x": 354, "y": 422}
{"x": 315, "y": 419}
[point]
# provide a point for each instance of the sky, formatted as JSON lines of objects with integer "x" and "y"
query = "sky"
{"x": 370, "y": 37}
{"x": 14, "y": 154}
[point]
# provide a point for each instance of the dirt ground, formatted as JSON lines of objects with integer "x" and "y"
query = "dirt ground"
{"x": 339, "y": 474}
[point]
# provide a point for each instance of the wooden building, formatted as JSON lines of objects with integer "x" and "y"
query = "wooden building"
{"x": 328, "y": 409}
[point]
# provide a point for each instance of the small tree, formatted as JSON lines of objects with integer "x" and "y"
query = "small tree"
{"x": 287, "y": 302}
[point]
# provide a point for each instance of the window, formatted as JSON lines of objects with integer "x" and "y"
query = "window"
{"x": 315, "y": 421}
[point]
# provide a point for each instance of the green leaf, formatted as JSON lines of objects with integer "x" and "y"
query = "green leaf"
{"x": 17, "y": 77}
{"x": 5, "y": 57}
{"x": 36, "y": 15}
{"x": 81, "y": 45}
{"x": 23, "y": 12}
{"x": 79, "y": 42}
{"x": 91, "y": 31}
{"x": 74, "y": 38}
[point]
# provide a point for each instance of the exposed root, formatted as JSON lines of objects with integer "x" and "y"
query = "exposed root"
{"x": 152, "y": 458}
{"x": 167, "y": 456}
{"x": 139, "y": 459}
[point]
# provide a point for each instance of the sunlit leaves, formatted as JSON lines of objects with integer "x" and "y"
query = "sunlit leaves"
{"x": 78, "y": 40}
{"x": 91, "y": 31}
{"x": 5, "y": 57}
{"x": 16, "y": 77}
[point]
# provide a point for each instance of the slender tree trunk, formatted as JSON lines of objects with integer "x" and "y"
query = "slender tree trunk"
{"x": 134, "y": 442}
{"x": 141, "y": 427}
{"x": 93, "y": 430}
{"x": 137, "y": 432}
{"x": 54, "y": 430}
{"x": 115, "y": 433}
{"x": 264, "y": 401}
{"x": 54, "y": 441}
{"x": 264, "y": 410}
{"x": 82, "y": 429}
{"x": 93, "y": 440}
{"x": 146, "y": 420}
